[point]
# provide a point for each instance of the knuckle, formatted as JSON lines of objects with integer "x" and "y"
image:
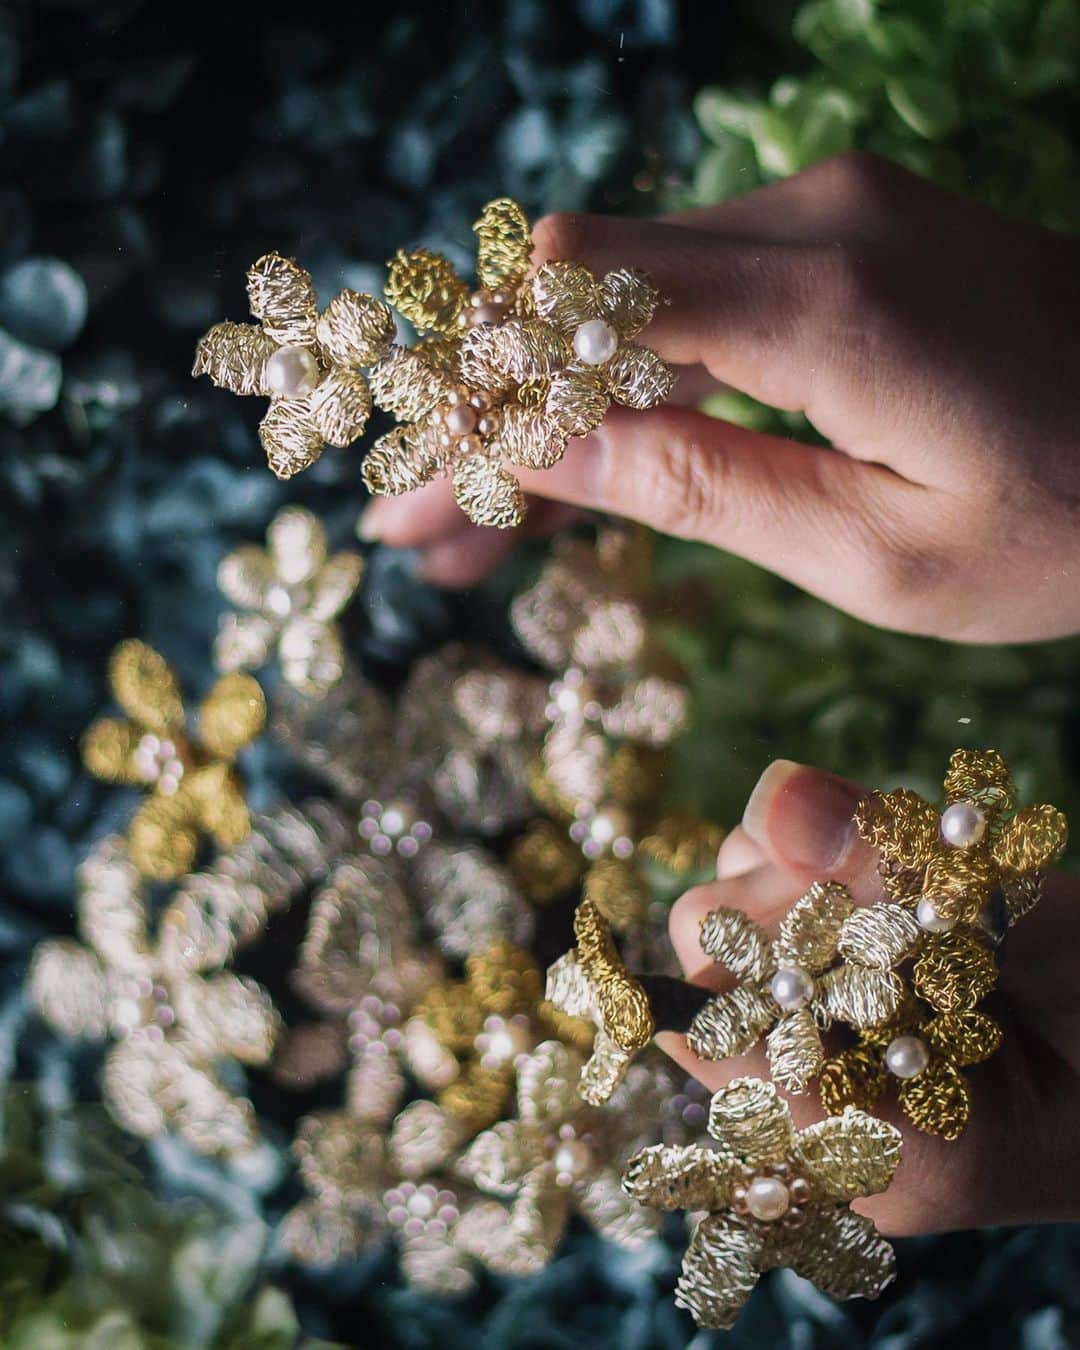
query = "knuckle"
{"x": 680, "y": 488}
{"x": 563, "y": 234}
{"x": 859, "y": 180}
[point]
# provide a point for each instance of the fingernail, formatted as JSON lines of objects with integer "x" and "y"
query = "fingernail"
{"x": 368, "y": 523}
{"x": 738, "y": 855}
{"x": 804, "y": 815}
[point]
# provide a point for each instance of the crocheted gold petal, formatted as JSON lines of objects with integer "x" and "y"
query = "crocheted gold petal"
{"x": 795, "y": 1050}
{"x": 855, "y": 1077}
{"x": 145, "y": 686}
{"x": 227, "y": 1014}
{"x": 980, "y": 776}
{"x": 954, "y": 970}
{"x": 487, "y": 493}
{"x": 482, "y": 359}
{"x": 245, "y": 575}
{"x": 424, "y": 1137}
{"x": 234, "y": 356}
{"x": 504, "y": 245}
{"x": 112, "y": 907}
{"x": 841, "y": 1253}
{"x": 132, "y": 1074}
{"x": 432, "y": 1262}
{"x": 545, "y": 863}
{"x": 478, "y": 1096}
{"x": 734, "y": 941}
{"x": 296, "y": 546}
{"x": 860, "y": 996}
{"x": 485, "y": 1232}
{"x": 624, "y": 1007}
{"x": 108, "y": 750}
{"x": 219, "y": 803}
{"x": 612, "y": 1213}
{"x": 566, "y": 294}
{"x": 682, "y": 844}
{"x": 958, "y": 882}
{"x": 604, "y": 1070}
{"x": 548, "y": 1083}
{"x": 320, "y": 1232}
{"x": 719, "y": 1272}
{"x": 810, "y": 930}
{"x": 752, "y": 1121}
{"x": 681, "y": 1177}
{"x": 375, "y": 1084}
{"x": 503, "y": 979}
{"x": 404, "y": 459}
{"x": 354, "y": 330}
{"x": 569, "y": 988}
{"x": 1034, "y": 839}
{"x": 424, "y": 287}
{"x": 501, "y": 1158}
{"x": 335, "y": 585}
{"x": 68, "y": 987}
{"x": 527, "y": 437}
{"x": 538, "y": 1221}
{"x": 231, "y": 715}
{"x": 451, "y": 1011}
{"x": 243, "y": 642}
{"x": 530, "y": 349}
{"x": 163, "y": 834}
{"x": 619, "y": 892}
{"x": 341, "y": 406}
{"x": 652, "y": 710}
{"x": 613, "y": 631}
{"x": 903, "y": 827}
{"x": 964, "y": 1037}
{"x": 879, "y": 935}
{"x": 628, "y": 300}
{"x": 577, "y": 400}
{"x": 937, "y": 1101}
{"x": 638, "y": 378}
{"x": 290, "y": 437}
{"x": 848, "y": 1155}
{"x": 282, "y": 296}
{"x": 409, "y": 384}
{"x": 576, "y": 769}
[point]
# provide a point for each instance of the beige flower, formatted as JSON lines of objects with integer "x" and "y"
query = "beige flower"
{"x": 288, "y": 596}
{"x": 306, "y": 362}
{"x": 772, "y": 1197}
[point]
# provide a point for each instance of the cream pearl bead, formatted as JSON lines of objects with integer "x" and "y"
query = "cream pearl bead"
{"x": 767, "y": 1198}
{"x": 791, "y": 987}
{"x": 907, "y": 1056}
{"x": 572, "y": 1159}
{"x": 595, "y": 342}
{"x": 963, "y": 824}
{"x": 930, "y": 920}
{"x": 460, "y": 420}
{"x": 489, "y": 312}
{"x": 291, "y": 372}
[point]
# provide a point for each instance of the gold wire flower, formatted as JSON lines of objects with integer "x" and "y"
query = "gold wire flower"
{"x": 949, "y": 864}
{"x": 496, "y": 384}
{"x": 560, "y": 1154}
{"x": 173, "y": 1013}
{"x": 307, "y": 363}
{"x": 829, "y": 962}
{"x": 925, "y": 1044}
{"x": 288, "y": 596}
{"x": 772, "y": 1196}
{"x": 192, "y": 783}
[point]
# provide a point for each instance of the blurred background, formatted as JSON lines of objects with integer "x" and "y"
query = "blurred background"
{"x": 147, "y": 155}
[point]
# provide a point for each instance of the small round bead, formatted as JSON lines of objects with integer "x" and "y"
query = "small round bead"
{"x": 480, "y": 401}
{"x": 963, "y": 824}
{"x": 487, "y": 425}
{"x": 595, "y": 342}
{"x": 907, "y": 1056}
{"x": 488, "y": 313}
{"x": 461, "y": 419}
{"x": 469, "y": 445}
{"x": 791, "y": 987}
{"x": 767, "y": 1198}
{"x": 291, "y": 372}
{"x": 572, "y": 1160}
{"x": 800, "y": 1191}
{"x": 929, "y": 919}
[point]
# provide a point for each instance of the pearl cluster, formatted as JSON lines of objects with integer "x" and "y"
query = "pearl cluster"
{"x": 393, "y": 826}
{"x": 689, "y": 1108}
{"x": 142, "y": 1008}
{"x": 159, "y": 760}
{"x": 791, "y": 987}
{"x": 485, "y": 307}
{"x": 421, "y": 1211}
{"x": 292, "y": 372}
{"x": 772, "y": 1196}
{"x": 504, "y": 1040}
{"x": 604, "y": 829}
{"x": 572, "y": 700}
{"x": 907, "y": 1056}
{"x": 374, "y": 1024}
{"x": 464, "y": 420}
{"x": 571, "y": 1155}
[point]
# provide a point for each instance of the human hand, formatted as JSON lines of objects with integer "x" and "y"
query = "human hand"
{"x": 1015, "y": 1162}
{"x": 932, "y": 342}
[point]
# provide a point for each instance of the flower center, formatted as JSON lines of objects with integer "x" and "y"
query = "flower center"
{"x": 607, "y": 829}
{"x": 486, "y": 307}
{"x": 393, "y": 826}
{"x": 572, "y": 700}
{"x": 774, "y": 1195}
{"x": 141, "y": 1008}
{"x": 572, "y": 1156}
{"x": 421, "y": 1210}
{"x": 791, "y": 987}
{"x": 595, "y": 342}
{"x": 465, "y": 420}
{"x": 291, "y": 372}
{"x": 159, "y": 760}
{"x": 374, "y": 1022}
{"x": 907, "y": 1056}
{"x": 963, "y": 824}
{"x": 930, "y": 920}
{"x": 503, "y": 1040}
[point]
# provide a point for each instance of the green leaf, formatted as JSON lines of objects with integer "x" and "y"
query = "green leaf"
{"x": 721, "y": 114}
{"x": 827, "y": 127}
{"x": 927, "y": 105}
{"x": 776, "y": 143}
{"x": 725, "y": 170}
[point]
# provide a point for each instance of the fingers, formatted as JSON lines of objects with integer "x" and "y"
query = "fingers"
{"x": 469, "y": 556}
{"x": 412, "y": 520}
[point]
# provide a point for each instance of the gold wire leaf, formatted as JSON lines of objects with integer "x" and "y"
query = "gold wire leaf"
{"x": 900, "y": 824}
{"x": 527, "y": 437}
{"x": 879, "y": 935}
{"x": 860, "y": 996}
{"x": 636, "y": 775}
{"x": 628, "y": 300}
{"x": 734, "y": 941}
{"x": 577, "y": 401}
{"x": 849, "y": 1155}
{"x": 980, "y": 776}
{"x": 682, "y": 844}
{"x": 219, "y": 800}
{"x": 290, "y": 437}
{"x": 958, "y": 882}
{"x": 340, "y": 407}
{"x": 451, "y": 1011}
{"x": 296, "y": 543}
{"x": 504, "y": 979}
{"x": 504, "y": 245}
{"x": 355, "y": 329}
{"x": 481, "y": 363}
{"x": 719, "y": 1272}
{"x": 964, "y": 1037}
{"x": 282, "y": 296}
{"x": 162, "y": 837}
{"x": 544, "y": 862}
{"x": 68, "y": 987}
{"x": 108, "y": 748}
{"x": 750, "y": 1119}
{"x": 638, "y": 378}
{"x": 810, "y": 930}
{"x": 408, "y": 384}
{"x": 842, "y": 1254}
{"x": 1034, "y": 839}
{"x": 617, "y": 889}
{"x": 232, "y": 715}
{"x": 401, "y": 460}
{"x": 477, "y": 1097}
{"x": 145, "y": 686}
{"x": 624, "y": 1005}
{"x": 954, "y": 970}
{"x": 794, "y": 1049}
{"x": 488, "y": 493}
{"x": 424, "y": 287}
{"x": 937, "y": 1100}
{"x": 680, "y": 1177}
{"x": 529, "y": 349}
{"x": 731, "y": 1023}
{"x": 855, "y": 1077}
{"x": 234, "y": 356}
{"x": 566, "y": 294}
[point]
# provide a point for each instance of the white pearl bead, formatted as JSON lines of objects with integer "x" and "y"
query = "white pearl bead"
{"x": 767, "y": 1198}
{"x": 572, "y": 1160}
{"x": 907, "y": 1056}
{"x": 595, "y": 342}
{"x": 292, "y": 372}
{"x": 929, "y": 919}
{"x": 460, "y": 420}
{"x": 963, "y": 824}
{"x": 486, "y": 313}
{"x": 791, "y": 987}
